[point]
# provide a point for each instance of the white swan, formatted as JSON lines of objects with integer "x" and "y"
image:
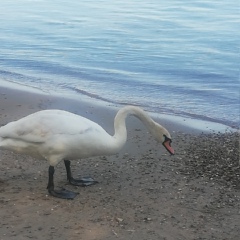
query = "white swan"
{"x": 57, "y": 135}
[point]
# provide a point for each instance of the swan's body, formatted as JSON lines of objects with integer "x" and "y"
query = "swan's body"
{"x": 57, "y": 135}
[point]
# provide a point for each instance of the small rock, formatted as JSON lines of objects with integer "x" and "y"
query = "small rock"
{"x": 147, "y": 219}
{"x": 119, "y": 219}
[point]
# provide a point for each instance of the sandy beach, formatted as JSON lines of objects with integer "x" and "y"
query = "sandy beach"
{"x": 143, "y": 193}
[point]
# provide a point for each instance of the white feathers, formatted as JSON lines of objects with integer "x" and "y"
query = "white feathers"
{"x": 56, "y": 135}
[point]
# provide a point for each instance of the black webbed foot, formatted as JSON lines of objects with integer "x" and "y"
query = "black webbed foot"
{"x": 58, "y": 193}
{"x": 65, "y": 194}
{"x": 85, "y": 181}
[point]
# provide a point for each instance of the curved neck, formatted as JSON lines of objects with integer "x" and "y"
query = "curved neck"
{"x": 120, "y": 134}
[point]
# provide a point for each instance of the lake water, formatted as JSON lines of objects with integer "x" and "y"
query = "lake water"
{"x": 175, "y": 57}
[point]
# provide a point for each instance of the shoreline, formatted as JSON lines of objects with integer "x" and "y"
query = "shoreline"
{"x": 72, "y": 103}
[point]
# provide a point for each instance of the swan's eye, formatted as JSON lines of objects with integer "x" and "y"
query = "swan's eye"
{"x": 167, "y": 139}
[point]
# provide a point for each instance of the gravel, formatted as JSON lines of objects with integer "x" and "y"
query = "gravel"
{"x": 214, "y": 157}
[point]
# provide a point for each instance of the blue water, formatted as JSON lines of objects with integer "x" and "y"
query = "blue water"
{"x": 175, "y": 57}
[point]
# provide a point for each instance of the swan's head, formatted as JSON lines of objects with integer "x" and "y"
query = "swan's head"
{"x": 162, "y": 135}
{"x": 167, "y": 144}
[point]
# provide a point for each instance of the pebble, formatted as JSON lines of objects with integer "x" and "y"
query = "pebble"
{"x": 147, "y": 219}
{"x": 119, "y": 219}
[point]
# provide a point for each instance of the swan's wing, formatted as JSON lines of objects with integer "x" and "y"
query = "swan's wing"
{"x": 41, "y": 126}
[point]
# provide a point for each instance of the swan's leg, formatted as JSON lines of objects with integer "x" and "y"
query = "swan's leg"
{"x": 58, "y": 193}
{"x": 85, "y": 181}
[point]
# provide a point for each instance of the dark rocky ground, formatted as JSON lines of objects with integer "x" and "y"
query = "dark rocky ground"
{"x": 143, "y": 193}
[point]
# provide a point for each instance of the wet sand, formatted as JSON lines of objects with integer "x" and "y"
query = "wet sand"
{"x": 142, "y": 194}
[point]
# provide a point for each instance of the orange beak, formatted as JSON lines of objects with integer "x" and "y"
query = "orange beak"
{"x": 167, "y": 145}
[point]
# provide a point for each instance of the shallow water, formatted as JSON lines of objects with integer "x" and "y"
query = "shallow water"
{"x": 178, "y": 58}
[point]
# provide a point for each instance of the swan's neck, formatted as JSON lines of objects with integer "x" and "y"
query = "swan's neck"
{"x": 120, "y": 135}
